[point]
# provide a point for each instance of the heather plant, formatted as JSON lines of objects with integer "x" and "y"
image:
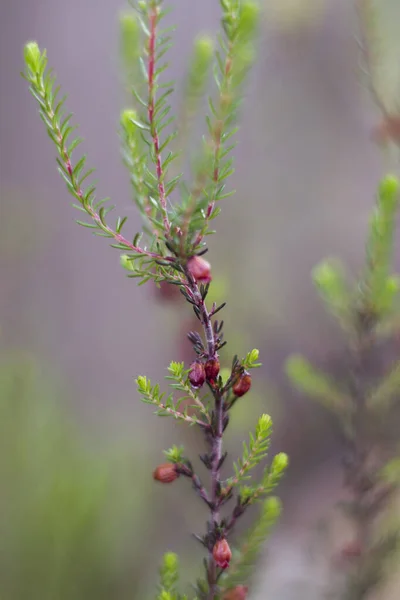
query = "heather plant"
{"x": 366, "y": 307}
{"x": 178, "y": 210}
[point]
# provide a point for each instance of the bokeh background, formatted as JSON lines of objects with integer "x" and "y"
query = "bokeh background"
{"x": 79, "y": 514}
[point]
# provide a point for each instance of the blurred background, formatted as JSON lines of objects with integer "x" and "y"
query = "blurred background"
{"x": 79, "y": 514}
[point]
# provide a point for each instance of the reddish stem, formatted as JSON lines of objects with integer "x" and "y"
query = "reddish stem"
{"x": 79, "y": 192}
{"x": 153, "y": 18}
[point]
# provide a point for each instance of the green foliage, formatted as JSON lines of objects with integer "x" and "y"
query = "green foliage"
{"x": 65, "y": 503}
{"x": 130, "y": 42}
{"x": 245, "y": 558}
{"x": 169, "y": 577}
{"x": 250, "y": 362}
{"x": 271, "y": 477}
{"x": 179, "y": 375}
{"x": 316, "y": 384}
{"x": 370, "y": 480}
{"x": 195, "y": 86}
{"x": 52, "y": 112}
{"x": 380, "y": 286}
{"x": 175, "y": 454}
{"x": 329, "y": 279}
{"x": 234, "y": 55}
{"x": 166, "y": 406}
{"x": 390, "y": 473}
{"x": 254, "y": 452}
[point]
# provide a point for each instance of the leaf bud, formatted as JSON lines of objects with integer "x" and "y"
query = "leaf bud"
{"x": 248, "y": 19}
{"x": 165, "y": 473}
{"x": 280, "y": 462}
{"x": 197, "y": 374}
{"x": 130, "y": 37}
{"x": 242, "y": 384}
{"x": 32, "y": 56}
{"x": 212, "y": 367}
{"x": 128, "y": 116}
{"x": 222, "y": 553}
{"x": 389, "y": 193}
{"x": 201, "y": 60}
{"x": 126, "y": 262}
{"x": 239, "y": 592}
{"x": 200, "y": 269}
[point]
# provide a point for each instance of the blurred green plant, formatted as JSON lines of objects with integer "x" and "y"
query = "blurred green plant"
{"x": 364, "y": 402}
{"x": 64, "y": 503}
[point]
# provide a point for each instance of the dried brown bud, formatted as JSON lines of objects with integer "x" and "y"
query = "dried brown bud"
{"x": 222, "y": 553}
{"x": 237, "y": 593}
{"x": 165, "y": 473}
{"x": 200, "y": 269}
{"x": 242, "y": 384}
{"x": 197, "y": 374}
{"x": 212, "y": 367}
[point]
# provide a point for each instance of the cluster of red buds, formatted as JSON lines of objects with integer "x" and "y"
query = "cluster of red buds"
{"x": 200, "y": 372}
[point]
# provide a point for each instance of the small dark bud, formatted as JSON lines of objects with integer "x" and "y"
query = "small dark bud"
{"x": 165, "y": 473}
{"x": 237, "y": 593}
{"x": 200, "y": 269}
{"x": 242, "y": 385}
{"x": 212, "y": 367}
{"x": 197, "y": 374}
{"x": 222, "y": 553}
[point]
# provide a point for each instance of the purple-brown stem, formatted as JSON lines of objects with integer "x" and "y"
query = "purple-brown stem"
{"x": 217, "y": 430}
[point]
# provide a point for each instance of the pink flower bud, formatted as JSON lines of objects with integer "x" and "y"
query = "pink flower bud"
{"x": 197, "y": 374}
{"x": 200, "y": 269}
{"x": 222, "y": 553}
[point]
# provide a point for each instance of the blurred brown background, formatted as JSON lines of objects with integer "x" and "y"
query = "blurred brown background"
{"x": 306, "y": 173}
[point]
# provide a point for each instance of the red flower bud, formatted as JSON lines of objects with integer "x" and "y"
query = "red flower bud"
{"x": 212, "y": 369}
{"x": 197, "y": 374}
{"x": 237, "y": 593}
{"x": 200, "y": 269}
{"x": 222, "y": 553}
{"x": 165, "y": 473}
{"x": 242, "y": 384}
